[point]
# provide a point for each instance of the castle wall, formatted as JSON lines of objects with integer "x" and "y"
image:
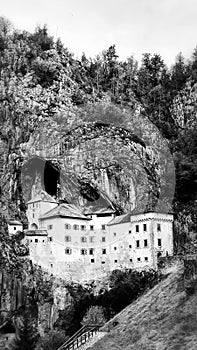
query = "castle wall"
{"x": 77, "y": 249}
{"x": 36, "y": 209}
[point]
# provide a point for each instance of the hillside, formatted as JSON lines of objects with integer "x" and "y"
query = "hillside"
{"x": 162, "y": 319}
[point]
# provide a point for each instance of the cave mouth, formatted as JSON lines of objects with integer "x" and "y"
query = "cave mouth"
{"x": 51, "y": 178}
{"x": 42, "y": 174}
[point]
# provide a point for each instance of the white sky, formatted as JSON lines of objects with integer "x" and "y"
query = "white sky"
{"x": 135, "y": 26}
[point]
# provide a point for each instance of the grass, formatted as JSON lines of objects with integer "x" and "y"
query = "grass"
{"x": 165, "y": 318}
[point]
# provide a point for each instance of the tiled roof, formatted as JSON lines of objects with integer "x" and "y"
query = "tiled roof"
{"x": 44, "y": 197}
{"x": 14, "y": 222}
{"x": 127, "y": 217}
{"x": 65, "y": 210}
{"x": 120, "y": 219}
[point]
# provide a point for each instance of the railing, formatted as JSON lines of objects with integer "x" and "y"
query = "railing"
{"x": 36, "y": 232}
{"x": 80, "y": 337}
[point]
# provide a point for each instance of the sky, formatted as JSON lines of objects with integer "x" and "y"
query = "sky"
{"x": 166, "y": 27}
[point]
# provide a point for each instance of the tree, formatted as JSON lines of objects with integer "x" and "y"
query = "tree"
{"x": 179, "y": 73}
{"x": 95, "y": 315}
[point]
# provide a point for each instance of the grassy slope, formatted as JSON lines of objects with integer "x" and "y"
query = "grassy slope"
{"x": 163, "y": 318}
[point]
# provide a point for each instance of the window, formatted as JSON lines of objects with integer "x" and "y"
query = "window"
{"x": 145, "y": 243}
{"x": 137, "y": 244}
{"x": 51, "y": 265}
{"x": 91, "y": 228}
{"x": 115, "y": 261}
{"x": 114, "y": 234}
{"x": 159, "y": 227}
{"x": 103, "y": 227}
{"x": 103, "y": 239}
{"x": 129, "y": 231}
{"x": 91, "y": 239}
{"x": 103, "y": 251}
{"x": 92, "y": 260}
{"x": 14, "y": 228}
{"x": 83, "y": 251}
{"x": 83, "y": 239}
{"x": 67, "y": 226}
{"x": 131, "y": 260}
{"x": 68, "y": 251}
{"x": 33, "y": 215}
{"x": 144, "y": 227}
{"x": 159, "y": 242}
{"x": 36, "y": 240}
{"x": 91, "y": 251}
{"x": 115, "y": 248}
{"x": 50, "y": 239}
{"x": 103, "y": 262}
{"x": 49, "y": 227}
{"x": 30, "y": 240}
{"x": 138, "y": 259}
{"x": 137, "y": 228}
{"x": 146, "y": 258}
{"x": 130, "y": 246}
{"x": 67, "y": 238}
{"x": 83, "y": 227}
{"x": 76, "y": 227}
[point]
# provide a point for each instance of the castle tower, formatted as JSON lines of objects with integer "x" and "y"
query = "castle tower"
{"x": 37, "y": 206}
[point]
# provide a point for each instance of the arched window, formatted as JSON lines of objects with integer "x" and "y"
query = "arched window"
{"x": 68, "y": 251}
{"x": 33, "y": 226}
{"x": 76, "y": 227}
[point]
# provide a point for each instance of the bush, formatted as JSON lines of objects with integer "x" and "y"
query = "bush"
{"x": 94, "y": 316}
{"x": 52, "y": 340}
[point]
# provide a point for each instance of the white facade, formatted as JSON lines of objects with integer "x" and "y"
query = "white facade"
{"x": 14, "y": 226}
{"x": 78, "y": 246}
{"x": 139, "y": 242}
{"x": 38, "y": 206}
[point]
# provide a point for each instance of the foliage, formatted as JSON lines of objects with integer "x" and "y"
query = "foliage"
{"x": 90, "y": 307}
{"x": 94, "y": 316}
{"x": 52, "y": 340}
{"x": 126, "y": 286}
{"x": 27, "y": 333}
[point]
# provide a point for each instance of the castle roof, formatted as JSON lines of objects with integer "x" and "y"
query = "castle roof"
{"x": 134, "y": 213}
{"x": 15, "y": 222}
{"x": 43, "y": 196}
{"x": 65, "y": 210}
{"x": 121, "y": 219}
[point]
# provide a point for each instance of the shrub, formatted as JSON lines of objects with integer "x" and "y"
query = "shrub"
{"x": 52, "y": 340}
{"x": 94, "y": 316}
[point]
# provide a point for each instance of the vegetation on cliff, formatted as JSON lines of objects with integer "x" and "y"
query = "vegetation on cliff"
{"x": 45, "y": 93}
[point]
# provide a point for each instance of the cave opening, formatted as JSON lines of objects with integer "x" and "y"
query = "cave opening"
{"x": 40, "y": 174}
{"x": 51, "y": 178}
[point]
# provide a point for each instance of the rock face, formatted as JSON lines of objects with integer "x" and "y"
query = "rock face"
{"x": 34, "y": 298}
{"x": 90, "y": 160}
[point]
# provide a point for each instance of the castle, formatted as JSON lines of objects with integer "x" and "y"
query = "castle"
{"x": 83, "y": 244}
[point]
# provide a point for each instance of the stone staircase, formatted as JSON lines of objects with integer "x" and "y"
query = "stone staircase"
{"x": 84, "y": 338}
{"x": 92, "y": 341}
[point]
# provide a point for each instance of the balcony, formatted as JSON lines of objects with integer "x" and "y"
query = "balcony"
{"x": 36, "y": 232}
